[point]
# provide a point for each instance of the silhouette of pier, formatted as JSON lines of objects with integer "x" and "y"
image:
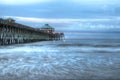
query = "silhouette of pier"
{"x": 15, "y": 33}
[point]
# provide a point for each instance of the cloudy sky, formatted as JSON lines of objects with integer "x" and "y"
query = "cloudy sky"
{"x": 65, "y": 15}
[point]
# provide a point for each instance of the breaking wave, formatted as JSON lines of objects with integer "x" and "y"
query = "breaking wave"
{"x": 89, "y": 45}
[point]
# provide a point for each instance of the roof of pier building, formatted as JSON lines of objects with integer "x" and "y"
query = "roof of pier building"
{"x": 47, "y": 26}
{"x": 10, "y": 20}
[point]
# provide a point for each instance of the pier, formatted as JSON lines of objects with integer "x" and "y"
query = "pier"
{"x": 15, "y": 33}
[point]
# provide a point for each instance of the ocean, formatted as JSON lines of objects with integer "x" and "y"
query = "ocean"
{"x": 78, "y": 59}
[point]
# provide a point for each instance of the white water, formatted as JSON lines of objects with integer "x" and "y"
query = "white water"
{"x": 60, "y": 60}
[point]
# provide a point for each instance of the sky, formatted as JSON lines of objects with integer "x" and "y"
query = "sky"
{"x": 65, "y": 15}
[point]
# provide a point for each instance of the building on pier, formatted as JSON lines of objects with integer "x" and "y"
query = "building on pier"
{"x": 50, "y": 30}
{"x": 47, "y": 28}
{"x": 10, "y": 20}
{"x": 13, "y": 33}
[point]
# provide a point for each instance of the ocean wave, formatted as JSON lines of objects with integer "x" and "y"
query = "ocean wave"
{"x": 62, "y": 48}
{"x": 52, "y": 66}
{"x": 89, "y": 45}
{"x": 60, "y": 60}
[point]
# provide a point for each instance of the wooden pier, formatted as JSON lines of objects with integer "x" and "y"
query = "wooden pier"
{"x": 15, "y": 33}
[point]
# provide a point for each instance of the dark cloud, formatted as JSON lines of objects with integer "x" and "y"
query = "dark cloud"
{"x": 61, "y": 9}
{"x": 67, "y": 9}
